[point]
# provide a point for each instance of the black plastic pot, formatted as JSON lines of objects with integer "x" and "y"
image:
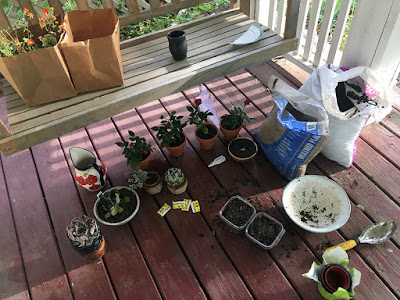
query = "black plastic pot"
{"x": 177, "y": 44}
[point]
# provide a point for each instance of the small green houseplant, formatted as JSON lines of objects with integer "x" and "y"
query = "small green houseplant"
{"x": 232, "y": 122}
{"x": 170, "y": 134}
{"x": 176, "y": 181}
{"x": 149, "y": 181}
{"x": 85, "y": 237}
{"x": 137, "y": 152}
{"x": 206, "y": 133}
{"x": 116, "y": 206}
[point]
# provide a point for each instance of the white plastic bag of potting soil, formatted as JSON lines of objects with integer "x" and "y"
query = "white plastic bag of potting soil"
{"x": 295, "y": 131}
{"x": 353, "y": 98}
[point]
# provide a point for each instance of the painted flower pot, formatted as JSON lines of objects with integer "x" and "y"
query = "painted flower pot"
{"x": 145, "y": 163}
{"x": 177, "y": 190}
{"x": 178, "y": 150}
{"x": 90, "y": 173}
{"x": 207, "y": 144}
{"x": 229, "y": 134}
{"x": 154, "y": 184}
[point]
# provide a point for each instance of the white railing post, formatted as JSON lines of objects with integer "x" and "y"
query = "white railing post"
{"x": 374, "y": 38}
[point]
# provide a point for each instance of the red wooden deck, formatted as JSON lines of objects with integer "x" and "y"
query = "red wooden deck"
{"x": 185, "y": 255}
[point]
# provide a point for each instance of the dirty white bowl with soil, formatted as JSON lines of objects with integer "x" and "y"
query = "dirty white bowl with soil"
{"x": 126, "y": 220}
{"x": 316, "y": 203}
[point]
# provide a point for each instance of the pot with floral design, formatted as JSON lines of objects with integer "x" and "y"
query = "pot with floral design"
{"x": 90, "y": 173}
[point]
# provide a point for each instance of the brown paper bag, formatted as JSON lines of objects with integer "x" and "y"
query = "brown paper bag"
{"x": 39, "y": 76}
{"x": 91, "y": 49}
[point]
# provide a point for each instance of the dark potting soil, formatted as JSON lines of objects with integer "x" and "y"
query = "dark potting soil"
{"x": 211, "y": 133}
{"x": 242, "y": 148}
{"x": 343, "y": 101}
{"x": 128, "y": 207}
{"x": 226, "y": 124}
{"x": 177, "y": 142}
{"x": 237, "y": 212}
{"x": 264, "y": 230}
{"x": 151, "y": 178}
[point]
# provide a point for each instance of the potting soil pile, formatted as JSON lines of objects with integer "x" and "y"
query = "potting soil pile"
{"x": 295, "y": 131}
{"x": 353, "y": 98}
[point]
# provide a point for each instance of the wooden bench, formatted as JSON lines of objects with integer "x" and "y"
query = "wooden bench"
{"x": 149, "y": 70}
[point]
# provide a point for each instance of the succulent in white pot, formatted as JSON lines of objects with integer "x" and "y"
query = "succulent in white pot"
{"x": 86, "y": 238}
{"x": 176, "y": 181}
{"x": 149, "y": 181}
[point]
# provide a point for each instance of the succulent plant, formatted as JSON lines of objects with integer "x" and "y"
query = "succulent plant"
{"x": 139, "y": 177}
{"x": 83, "y": 231}
{"x": 110, "y": 202}
{"x": 174, "y": 177}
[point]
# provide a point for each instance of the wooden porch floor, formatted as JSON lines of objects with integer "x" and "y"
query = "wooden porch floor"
{"x": 185, "y": 255}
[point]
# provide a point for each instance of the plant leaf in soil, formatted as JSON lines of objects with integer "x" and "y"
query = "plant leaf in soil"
{"x": 211, "y": 133}
{"x": 237, "y": 212}
{"x": 128, "y": 207}
{"x": 264, "y": 230}
{"x": 242, "y": 148}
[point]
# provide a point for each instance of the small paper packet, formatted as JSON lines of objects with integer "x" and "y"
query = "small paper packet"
{"x": 178, "y": 204}
{"x": 164, "y": 209}
{"x": 195, "y": 206}
{"x": 187, "y": 205}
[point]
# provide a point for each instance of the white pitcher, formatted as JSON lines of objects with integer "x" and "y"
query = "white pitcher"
{"x": 90, "y": 173}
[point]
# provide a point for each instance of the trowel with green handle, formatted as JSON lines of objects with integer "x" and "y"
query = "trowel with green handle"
{"x": 374, "y": 234}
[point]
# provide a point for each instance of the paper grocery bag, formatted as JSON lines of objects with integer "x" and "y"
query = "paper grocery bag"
{"x": 38, "y": 76}
{"x": 91, "y": 49}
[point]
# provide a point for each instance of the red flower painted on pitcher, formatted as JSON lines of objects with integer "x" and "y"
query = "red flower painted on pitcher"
{"x": 94, "y": 187}
{"x": 91, "y": 179}
{"x": 81, "y": 180}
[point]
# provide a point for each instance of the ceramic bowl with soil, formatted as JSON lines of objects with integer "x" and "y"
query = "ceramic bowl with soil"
{"x": 126, "y": 209}
{"x": 242, "y": 149}
{"x": 316, "y": 203}
{"x": 237, "y": 213}
{"x": 264, "y": 230}
{"x": 153, "y": 184}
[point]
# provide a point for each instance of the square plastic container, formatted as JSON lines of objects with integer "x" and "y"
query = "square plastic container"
{"x": 237, "y": 228}
{"x": 278, "y": 237}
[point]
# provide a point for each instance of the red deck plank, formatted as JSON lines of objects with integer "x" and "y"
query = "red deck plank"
{"x": 88, "y": 281}
{"x": 44, "y": 270}
{"x": 157, "y": 242}
{"x": 12, "y": 277}
{"x": 219, "y": 89}
{"x": 210, "y": 263}
{"x": 128, "y": 271}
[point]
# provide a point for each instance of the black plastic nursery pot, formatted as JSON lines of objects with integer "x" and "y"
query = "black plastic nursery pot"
{"x": 237, "y": 213}
{"x": 264, "y": 230}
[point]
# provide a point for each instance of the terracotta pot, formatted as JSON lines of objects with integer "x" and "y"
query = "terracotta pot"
{"x": 209, "y": 143}
{"x": 178, "y": 189}
{"x": 178, "y": 150}
{"x": 242, "y": 159}
{"x": 154, "y": 188}
{"x": 333, "y": 276}
{"x": 229, "y": 135}
{"x": 144, "y": 164}
{"x": 94, "y": 255}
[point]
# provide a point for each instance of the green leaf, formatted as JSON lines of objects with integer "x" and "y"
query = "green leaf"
{"x": 107, "y": 215}
{"x": 126, "y": 199}
{"x": 120, "y": 209}
{"x": 114, "y": 211}
{"x": 119, "y": 144}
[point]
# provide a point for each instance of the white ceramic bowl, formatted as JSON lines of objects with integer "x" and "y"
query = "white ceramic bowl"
{"x": 316, "y": 203}
{"x": 127, "y": 219}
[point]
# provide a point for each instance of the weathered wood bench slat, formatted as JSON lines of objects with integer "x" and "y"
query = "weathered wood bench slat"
{"x": 209, "y": 55}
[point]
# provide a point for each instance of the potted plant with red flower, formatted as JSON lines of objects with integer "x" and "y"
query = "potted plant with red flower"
{"x": 171, "y": 135}
{"x": 206, "y": 133}
{"x": 20, "y": 47}
{"x": 232, "y": 122}
{"x": 137, "y": 152}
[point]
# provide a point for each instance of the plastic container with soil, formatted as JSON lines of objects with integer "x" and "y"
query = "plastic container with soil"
{"x": 264, "y": 230}
{"x": 237, "y": 213}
